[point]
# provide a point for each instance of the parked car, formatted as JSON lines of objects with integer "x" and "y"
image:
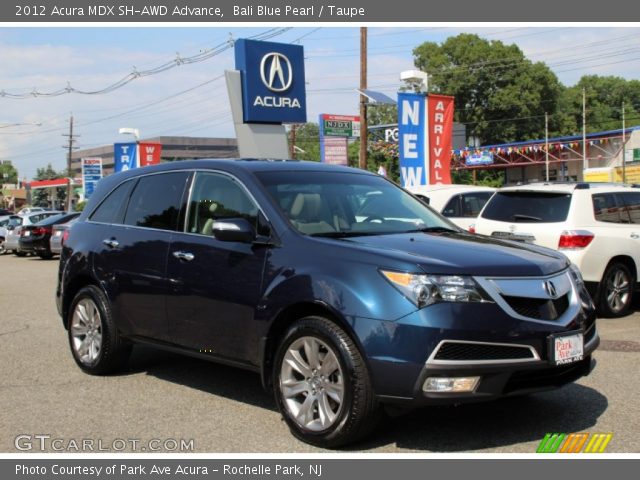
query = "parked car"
{"x": 459, "y": 203}
{"x": 273, "y": 267}
{"x": 59, "y": 234}
{"x": 35, "y": 238}
{"x": 28, "y": 210}
{"x": 4, "y": 212}
{"x": 6, "y": 221}
{"x": 12, "y": 241}
{"x": 596, "y": 225}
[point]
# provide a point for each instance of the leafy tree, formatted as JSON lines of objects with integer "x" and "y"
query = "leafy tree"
{"x": 604, "y": 97}
{"x": 500, "y": 95}
{"x": 8, "y": 173}
{"x": 41, "y": 196}
{"x": 308, "y": 139}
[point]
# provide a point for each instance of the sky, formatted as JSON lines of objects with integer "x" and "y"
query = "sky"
{"x": 191, "y": 99}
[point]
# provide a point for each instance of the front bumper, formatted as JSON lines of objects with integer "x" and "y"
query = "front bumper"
{"x": 402, "y": 354}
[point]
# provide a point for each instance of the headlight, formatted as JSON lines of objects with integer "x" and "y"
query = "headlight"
{"x": 576, "y": 275}
{"x": 425, "y": 290}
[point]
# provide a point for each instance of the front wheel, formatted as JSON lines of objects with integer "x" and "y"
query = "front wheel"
{"x": 3, "y": 248}
{"x": 95, "y": 342}
{"x": 322, "y": 386}
{"x": 616, "y": 291}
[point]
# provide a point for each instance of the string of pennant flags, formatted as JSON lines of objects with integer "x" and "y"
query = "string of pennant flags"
{"x": 467, "y": 151}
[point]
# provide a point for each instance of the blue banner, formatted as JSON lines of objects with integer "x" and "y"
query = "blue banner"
{"x": 481, "y": 158}
{"x": 273, "y": 83}
{"x": 124, "y": 157}
{"x": 412, "y": 139}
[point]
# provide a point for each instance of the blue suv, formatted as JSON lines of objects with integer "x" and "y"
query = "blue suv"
{"x": 344, "y": 292}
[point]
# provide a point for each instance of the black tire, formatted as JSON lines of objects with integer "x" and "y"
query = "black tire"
{"x": 114, "y": 351}
{"x": 3, "y": 249}
{"x": 613, "y": 300}
{"x": 45, "y": 255}
{"x": 19, "y": 253}
{"x": 358, "y": 413}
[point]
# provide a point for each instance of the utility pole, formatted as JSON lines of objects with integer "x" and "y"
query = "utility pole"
{"x": 363, "y": 100}
{"x": 546, "y": 144}
{"x": 293, "y": 140}
{"x": 585, "y": 163}
{"x": 69, "y": 147}
{"x": 624, "y": 152}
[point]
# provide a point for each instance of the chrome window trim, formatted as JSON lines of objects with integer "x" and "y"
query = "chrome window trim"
{"x": 432, "y": 360}
{"x": 184, "y": 226}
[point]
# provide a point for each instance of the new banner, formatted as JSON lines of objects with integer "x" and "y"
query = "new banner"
{"x": 91, "y": 175}
{"x": 412, "y": 139}
{"x": 440, "y": 125}
{"x": 124, "y": 157}
{"x": 150, "y": 153}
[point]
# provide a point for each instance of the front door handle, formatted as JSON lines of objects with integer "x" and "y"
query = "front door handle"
{"x": 635, "y": 236}
{"x": 186, "y": 256}
{"x": 111, "y": 242}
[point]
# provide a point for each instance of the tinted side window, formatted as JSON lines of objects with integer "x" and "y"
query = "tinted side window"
{"x": 111, "y": 210}
{"x": 215, "y": 196}
{"x": 608, "y": 207}
{"x": 156, "y": 200}
{"x": 473, "y": 202}
{"x": 632, "y": 202}
{"x": 452, "y": 208}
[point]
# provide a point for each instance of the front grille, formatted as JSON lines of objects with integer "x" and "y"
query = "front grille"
{"x": 547, "y": 377}
{"x": 454, "y": 351}
{"x": 539, "y": 308}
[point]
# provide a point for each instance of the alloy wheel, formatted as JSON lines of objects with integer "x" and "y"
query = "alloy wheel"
{"x": 617, "y": 290}
{"x": 312, "y": 384}
{"x": 86, "y": 331}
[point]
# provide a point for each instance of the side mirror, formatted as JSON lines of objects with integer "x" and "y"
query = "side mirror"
{"x": 233, "y": 230}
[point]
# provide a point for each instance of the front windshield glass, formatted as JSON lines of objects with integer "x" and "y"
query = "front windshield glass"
{"x": 338, "y": 204}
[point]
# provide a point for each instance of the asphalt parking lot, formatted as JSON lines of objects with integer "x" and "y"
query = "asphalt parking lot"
{"x": 164, "y": 396}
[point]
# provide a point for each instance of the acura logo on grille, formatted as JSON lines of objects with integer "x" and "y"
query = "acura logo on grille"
{"x": 550, "y": 288}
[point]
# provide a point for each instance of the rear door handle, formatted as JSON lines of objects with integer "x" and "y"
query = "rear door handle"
{"x": 186, "y": 256}
{"x": 111, "y": 242}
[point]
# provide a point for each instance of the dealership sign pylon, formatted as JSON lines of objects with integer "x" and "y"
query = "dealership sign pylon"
{"x": 425, "y": 130}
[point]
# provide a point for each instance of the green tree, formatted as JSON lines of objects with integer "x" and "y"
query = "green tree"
{"x": 8, "y": 173}
{"x": 44, "y": 197}
{"x": 604, "y": 97}
{"x": 500, "y": 95}
{"x": 307, "y": 138}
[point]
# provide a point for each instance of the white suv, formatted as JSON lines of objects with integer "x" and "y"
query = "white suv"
{"x": 459, "y": 203}
{"x": 596, "y": 225}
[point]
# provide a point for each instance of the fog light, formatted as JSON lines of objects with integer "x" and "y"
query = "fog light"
{"x": 450, "y": 384}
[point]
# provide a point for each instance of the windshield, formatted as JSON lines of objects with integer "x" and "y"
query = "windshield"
{"x": 338, "y": 204}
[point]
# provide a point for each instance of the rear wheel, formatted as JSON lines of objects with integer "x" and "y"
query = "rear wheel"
{"x": 322, "y": 385}
{"x": 19, "y": 253}
{"x": 45, "y": 255}
{"x": 95, "y": 342}
{"x": 3, "y": 249}
{"x": 616, "y": 291}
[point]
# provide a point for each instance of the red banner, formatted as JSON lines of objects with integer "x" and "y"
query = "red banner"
{"x": 150, "y": 154}
{"x": 440, "y": 128}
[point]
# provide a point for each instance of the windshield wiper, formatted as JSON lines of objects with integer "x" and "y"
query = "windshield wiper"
{"x": 519, "y": 216}
{"x": 342, "y": 234}
{"x": 433, "y": 230}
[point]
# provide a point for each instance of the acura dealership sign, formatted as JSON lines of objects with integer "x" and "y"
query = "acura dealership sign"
{"x": 273, "y": 84}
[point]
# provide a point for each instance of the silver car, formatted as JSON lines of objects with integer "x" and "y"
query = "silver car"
{"x": 14, "y": 228}
{"x": 57, "y": 237}
{"x": 6, "y": 221}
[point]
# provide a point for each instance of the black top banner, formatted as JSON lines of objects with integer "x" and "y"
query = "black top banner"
{"x": 317, "y": 11}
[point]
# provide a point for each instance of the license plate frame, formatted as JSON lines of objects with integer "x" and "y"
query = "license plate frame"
{"x": 566, "y": 348}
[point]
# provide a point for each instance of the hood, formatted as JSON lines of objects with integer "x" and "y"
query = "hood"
{"x": 467, "y": 254}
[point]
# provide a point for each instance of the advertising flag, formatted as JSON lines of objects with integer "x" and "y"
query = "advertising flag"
{"x": 413, "y": 139}
{"x": 150, "y": 153}
{"x": 440, "y": 124}
{"x": 124, "y": 157}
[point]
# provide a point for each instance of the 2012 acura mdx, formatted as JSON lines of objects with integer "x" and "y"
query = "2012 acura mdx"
{"x": 343, "y": 291}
